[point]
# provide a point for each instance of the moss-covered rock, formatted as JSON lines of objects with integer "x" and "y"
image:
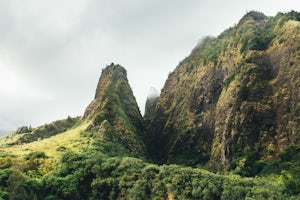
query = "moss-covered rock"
{"x": 114, "y": 114}
{"x": 232, "y": 95}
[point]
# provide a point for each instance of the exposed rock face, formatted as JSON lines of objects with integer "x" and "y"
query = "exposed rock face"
{"x": 234, "y": 94}
{"x": 114, "y": 113}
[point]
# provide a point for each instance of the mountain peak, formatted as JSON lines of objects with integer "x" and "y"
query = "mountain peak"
{"x": 115, "y": 106}
{"x": 111, "y": 73}
{"x": 116, "y": 70}
{"x": 254, "y": 15}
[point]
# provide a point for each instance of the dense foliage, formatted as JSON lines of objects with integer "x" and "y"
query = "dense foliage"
{"x": 104, "y": 171}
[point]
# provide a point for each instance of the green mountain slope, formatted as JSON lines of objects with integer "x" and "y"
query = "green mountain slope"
{"x": 27, "y": 134}
{"x": 233, "y": 96}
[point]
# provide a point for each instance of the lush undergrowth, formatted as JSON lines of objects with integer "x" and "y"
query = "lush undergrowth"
{"x": 106, "y": 170}
{"x": 79, "y": 164}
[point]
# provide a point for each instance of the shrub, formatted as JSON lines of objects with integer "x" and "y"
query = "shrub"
{"x": 61, "y": 148}
{"x": 5, "y": 162}
{"x": 35, "y": 155}
{"x": 23, "y": 129}
{"x": 4, "y": 175}
{"x": 4, "y": 195}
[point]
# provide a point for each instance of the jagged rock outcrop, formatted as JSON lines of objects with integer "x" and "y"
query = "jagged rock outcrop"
{"x": 114, "y": 114}
{"x": 233, "y": 95}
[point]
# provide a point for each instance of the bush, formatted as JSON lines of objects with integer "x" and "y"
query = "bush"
{"x": 6, "y": 162}
{"x": 293, "y": 186}
{"x": 61, "y": 148}
{"x": 4, "y": 195}
{"x": 4, "y": 175}
{"x": 35, "y": 155}
{"x": 23, "y": 129}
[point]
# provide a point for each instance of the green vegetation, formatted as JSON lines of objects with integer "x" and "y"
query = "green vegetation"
{"x": 234, "y": 93}
{"x": 230, "y": 107}
{"x": 103, "y": 171}
{"x": 27, "y": 134}
{"x": 228, "y": 80}
{"x": 285, "y": 167}
{"x": 23, "y": 129}
{"x": 116, "y": 116}
{"x": 35, "y": 155}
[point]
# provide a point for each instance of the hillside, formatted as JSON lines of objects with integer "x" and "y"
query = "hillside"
{"x": 226, "y": 125}
{"x": 27, "y": 134}
{"x": 235, "y": 97}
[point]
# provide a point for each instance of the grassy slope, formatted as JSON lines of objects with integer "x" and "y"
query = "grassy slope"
{"x": 70, "y": 139}
{"x": 26, "y": 134}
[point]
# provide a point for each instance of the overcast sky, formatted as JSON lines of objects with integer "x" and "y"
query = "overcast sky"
{"x": 52, "y": 51}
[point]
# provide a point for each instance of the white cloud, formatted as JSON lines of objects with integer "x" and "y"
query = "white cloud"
{"x": 15, "y": 85}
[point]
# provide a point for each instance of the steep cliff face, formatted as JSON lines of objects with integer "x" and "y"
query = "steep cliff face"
{"x": 234, "y": 95}
{"x": 114, "y": 114}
